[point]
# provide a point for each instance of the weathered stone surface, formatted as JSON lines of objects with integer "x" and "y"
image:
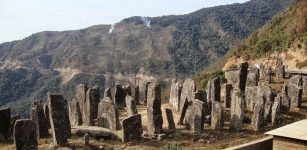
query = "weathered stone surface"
{"x": 132, "y": 128}
{"x": 183, "y": 112}
{"x": 252, "y": 77}
{"x": 93, "y": 131}
{"x": 39, "y": 119}
{"x": 91, "y": 105}
{"x": 280, "y": 68}
{"x": 175, "y": 95}
{"x": 285, "y": 102}
{"x": 108, "y": 93}
{"x": 268, "y": 76}
{"x": 137, "y": 94}
{"x": 25, "y": 135}
{"x": 81, "y": 90}
{"x": 187, "y": 92}
{"x": 217, "y": 119}
{"x": 202, "y": 96}
{"x": 236, "y": 110}
{"x": 258, "y": 117}
{"x": 12, "y": 124}
{"x": 215, "y": 90}
{"x": 120, "y": 95}
{"x": 108, "y": 116}
{"x": 304, "y": 78}
{"x": 227, "y": 99}
{"x": 86, "y": 139}
{"x": 194, "y": 119}
{"x": 269, "y": 97}
{"x": 46, "y": 113}
{"x": 154, "y": 114}
{"x": 59, "y": 119}
{"x": 75, "y": 115}
{"x": 237, "y": 77}
{"x": 131, "y": 106}
{"x": 295, "y": 95}
{"x": 276, "y": 110}
{"x": 250, "y": 97}
{"x": 296, "y": 80}
{"x": 170, "y": 119}
{"x": 5, "y": 120}
{"x": 133, "y": 92}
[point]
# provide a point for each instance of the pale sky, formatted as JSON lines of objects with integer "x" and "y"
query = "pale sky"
{"x": 21, "y": 18}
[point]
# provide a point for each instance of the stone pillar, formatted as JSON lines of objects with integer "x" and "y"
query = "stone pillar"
{"x": 46, "y": 113}
{"x": 39, "y": 119}
{"x": 227, "y": 98}
{"x": 170, "y": 120}
{"x": 81, "y": 90}
{"x": 108, "y": 93}
{"x": 252, "y": 77}
{"x": 295, "y": 95}
{"x": 120, "y": 95}
{"x": 12, "y": 124}
{"x": 108, "y": 116}
{"x": 59, "y": 120}
{"x": 217, "y": 120}
{"x": 280, "y": 68}
{"x": 131, "y": 106}
{"x": 276, "y": 116}
{"x": 132, "y": 128}
{"x": 258, "y": 116}
{"x": 187, "y": 92}
{"x": 236, "y": 110}
{"x": 268, "y": 76}
{"x": 175, "y": 95}
{"x": 25, "y": 135}
{"x": 195, "y": 119}
{"x": 75, "y": 115}
{"x": 5, "y": 120}
{"x": 154, "y": 114}
{"x": 91, "y": 105}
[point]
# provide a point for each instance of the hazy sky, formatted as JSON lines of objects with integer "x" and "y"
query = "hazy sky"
{"x": 21, "y": 18}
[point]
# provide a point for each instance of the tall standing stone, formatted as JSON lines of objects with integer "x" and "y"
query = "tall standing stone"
{"x": 59, "y": 120}
{"x": 108, "y": 93}
{"x": 131, "y": 106}
{"x": 252, "y": 77}
{"x": 5, "y": 120}
{"x": 215, "y": 91}
{"x": 276, "y": 110}
{"x": 250, "y": 97}
{"x": 285, "y": 102}
{"x": 154, "y": 114}
{"x": 120, "y": 95}
{"x": 187, "y": 94}
{"x": 217, "y": 120}
{"x": 194, "y": 118}
{"x": 137, "y": 94}
{"x": 227, "y": 98}
{"x": 81, "y": 90}
{"x": 132, "y": 128}
{"x": 258, "y": 117}
{"x": 25, "y": 135}
{"x": 296, "y": 80}
{"x": 202, "y": 96}
{"x": 108, "y": 116}
{"x": 175, "y": 95}
{"x": 75, "y": 115}
{"x": 237, "y": 77}
{"x": 46, "y": 113}
{"x": 268, "y": 76}
{"x": 170, "y": 119}
{"x": 295, "y": 95}
{"x": 304, "y": 78}
{"x": 91, "y": 105}
{"x": 236, "y": 110}
{"x": 12, "y": 124}
{"x": 40, "y": 120}
{"x": 269, "y": 98}
{"x": 146, "y": 91}
{"x": 280, "y": 68}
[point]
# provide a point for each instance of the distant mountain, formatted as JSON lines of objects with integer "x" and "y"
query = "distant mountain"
{"x": 99, "y": 55}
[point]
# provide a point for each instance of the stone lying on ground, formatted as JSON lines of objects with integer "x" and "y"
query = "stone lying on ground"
{"x": 131, "y": 106}
{"x": 5, "y": 120}
{"x": 119, "y": 98}
{"x": 217, "y": 119}
{"x": 227, "y": 97}
{"x": 132, "y": 128}
{"x": 154, "y": 113}
{"x": 108, "y": 116}
{"x": 276, "y": 111}
{"x": 170, "y": 119}
{"x": 39, "y": 119}
{"x": 93, "y": 131}
{"x": 81, "y": 90}
{"x": 91, "y": 105}
{"x": 175, "y": 94}
{"x": 75, "y": 115}
{"x": 25, "y": 135}
{"x": 194, "y": 119}
{"x": 236, "y": 110}
{"x": 59, "y": 120}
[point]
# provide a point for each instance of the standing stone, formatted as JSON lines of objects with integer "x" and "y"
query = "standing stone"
{"x": 59, "y": 120}
{"x": 217, "y": 120}
{"x": 276, "y": 111}
{"x": 269, "y": 98}
{"x": 108, "y": 93}
{"x": 268, "y": 76}
{"x": 137, "y": 95}
{"x": 296, "y": 80}
{"x": 91, "y": 105}
{"x": 280, "y": 68}
{"x": 202, "y": 96}
{"x": 25, "y": 135}
{"x": 39, "y": 118}
{"x": 132, "y": 128}
{"x": 5, "y": 120}
{"x": 194, "y": 118}
{"x": 108, "y": 116}
{"x": 250, "y": 97}
{"x": 215, "y": 90}
{"x": 146, "y": 91}
{"x": 175, "y": 95}
{"x": 86, "y": 139}
{"x": 131, "y": 106}
{"x": 252, "y": 77}
{"x": 227, "y": 98}
{"x": 81, "y": 90}
{"x": 236, "y": 110}
{"x": 133, "y": 92}
{"x": 154, "y": 114}
{"x": 258, "y": 117}
{"x": 295, "y": 95}
{"x": 304, "y": 78}
{"x": 75, "y": 115}
{"x": 187, "y": 93}
{"x": 12, "y": 124}
{"x": 170, "y": 120}
{"x": 237, "y": 77}
{"x": 46, "y": 113}
{"x": 285, "y": 102}
{"x": 120, "y": 95}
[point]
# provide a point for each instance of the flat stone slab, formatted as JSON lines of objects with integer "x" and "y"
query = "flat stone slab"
{"x": 96, "y": 132}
